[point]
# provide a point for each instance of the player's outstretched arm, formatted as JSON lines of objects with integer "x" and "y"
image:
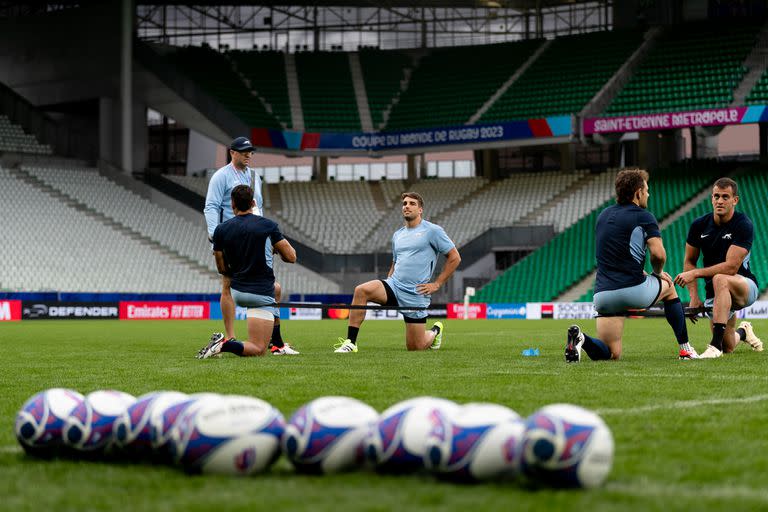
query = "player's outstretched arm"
{"x": 286, "y": 251}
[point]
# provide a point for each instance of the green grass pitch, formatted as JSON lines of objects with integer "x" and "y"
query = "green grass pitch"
{"x": 690, "y": 435}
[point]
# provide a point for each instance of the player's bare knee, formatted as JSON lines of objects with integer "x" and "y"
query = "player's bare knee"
{"x": 720, "y": 282}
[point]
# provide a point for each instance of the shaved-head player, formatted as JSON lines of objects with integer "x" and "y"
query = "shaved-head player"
{"x": 415, "y": 248}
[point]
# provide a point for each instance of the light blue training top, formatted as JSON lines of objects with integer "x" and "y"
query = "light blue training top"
{"x": 218, "y": 201}
{"x": 414, "y": 252}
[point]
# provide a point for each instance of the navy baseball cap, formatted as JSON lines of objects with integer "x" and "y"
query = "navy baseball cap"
{"x": 241, "y": 144}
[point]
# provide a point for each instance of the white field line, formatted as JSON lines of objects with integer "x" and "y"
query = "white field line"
{"x": 645, "y": 488}
{"x": 684, "y": 404}
{"x": 11, "y": 448}
{"x": 632, "y": 375}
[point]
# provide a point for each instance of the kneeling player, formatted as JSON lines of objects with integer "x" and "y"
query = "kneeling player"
{"x": 725, "y": 238}
{"x": 623, "y": 233}
{"x": 243, "y": 247}
{"x": 415, "y": 247}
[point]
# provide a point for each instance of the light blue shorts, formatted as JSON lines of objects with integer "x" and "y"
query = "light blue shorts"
{"x": 409, "y": 299}
{"x": 251, "y": 300}
{"x": 640, "y": 296}
{"x": 751, "y": 298}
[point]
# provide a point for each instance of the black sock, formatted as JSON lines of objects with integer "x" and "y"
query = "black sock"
{"x": 741, "y": 333}
{"x": 233, "y": 347}
{"x": 596, "y": 349}
{"x": 673, "y": 311}
{"x": 718, "y": 332}
{"x": 352, "y": 333}
{"x": 277, "y": 338}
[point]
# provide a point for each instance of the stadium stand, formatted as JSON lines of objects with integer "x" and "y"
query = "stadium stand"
{"x": 171, "y": 231}
{"x": 327, "y": 93}
{"x": 439, "y": 196}
{"x": 594, "y": 190}
{"x": 13, "y": 138}
{"x": 566, "y": 76}
{"x": 334, "y": 216}
{"x": 383, "y": 72}
{"x": 692, "y": 66}
{"x": 214, "y": 73}
{"x": 522, "y": 282}
{"x": 451, "y": 84}
{"x": 265, "y": 72}
{"x": 66, "y": 250}
{"x": 503, "y": 203}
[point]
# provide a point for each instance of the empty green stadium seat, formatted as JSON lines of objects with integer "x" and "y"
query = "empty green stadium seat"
{"x": 566, "y": 76}
{"x": 327, "y": 94}
{"x": 691, "y": 67}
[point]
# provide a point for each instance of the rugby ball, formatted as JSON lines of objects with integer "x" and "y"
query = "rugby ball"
{"x": 230, "y": 435}
{"x": 40, "y": 421}
{"x": 132, "y": 431}
{"x": 165, "y": 413}
{"x": 478, "y": 441}
{"x": 398, "y": 441}
{"x": 566, "y": 446}
{"x": 326, "y": 434}
{"x": 88, "y": 429}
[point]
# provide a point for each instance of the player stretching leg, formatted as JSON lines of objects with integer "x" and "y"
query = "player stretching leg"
{"x": 415, "y": 247}
{"x": 218, "y": 209}
{"x": 243, "y": 247}
{"x": 623, "y": 233}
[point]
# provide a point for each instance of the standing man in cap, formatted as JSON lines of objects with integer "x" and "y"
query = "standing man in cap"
{"x": 218, "y": 208}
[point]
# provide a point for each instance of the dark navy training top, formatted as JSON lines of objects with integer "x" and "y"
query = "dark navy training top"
{"x": 247, "y": 241}
{"x": 621, "y": 233}
{"x": 714, "y": 241}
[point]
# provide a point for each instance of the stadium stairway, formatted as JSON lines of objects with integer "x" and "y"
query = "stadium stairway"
{"x": 756, "y": 64}
{"x": 509, "y": 83}
{"x": 294, "y": 95}
{"x": 608, "y": 92}
{"x": 361, "y": 95}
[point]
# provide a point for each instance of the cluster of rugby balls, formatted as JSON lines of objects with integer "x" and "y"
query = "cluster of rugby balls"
{"x": 559, "y": 445}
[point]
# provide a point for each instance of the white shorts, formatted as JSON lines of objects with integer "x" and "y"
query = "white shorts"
{"x": 641, "y": 296}
{"x": 751, "y": 298}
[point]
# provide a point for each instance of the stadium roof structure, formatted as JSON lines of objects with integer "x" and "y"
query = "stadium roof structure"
{"x": 37, "y": 5}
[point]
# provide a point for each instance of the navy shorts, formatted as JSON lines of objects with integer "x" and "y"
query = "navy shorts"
{"x": 410, "y": 317}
